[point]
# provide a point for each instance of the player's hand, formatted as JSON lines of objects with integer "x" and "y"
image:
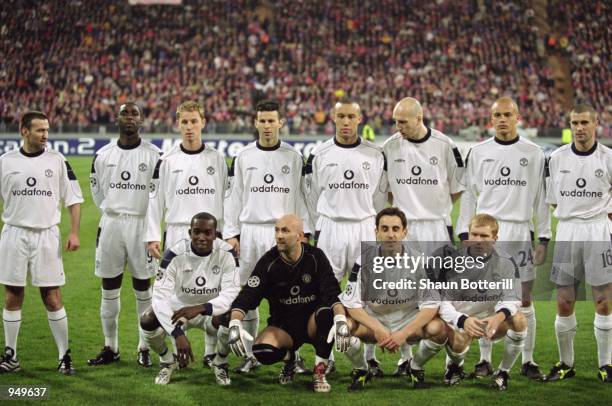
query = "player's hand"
{"x": 492, "y": 324}
{"x": 73, "y": 242}
{"x": 237, "y": 338}
{"x": 380, "y": 335}
{"x": 474, "y": 327}
{"x": 235, "y": 244}
{"x": 154, "y": 248}
{"x": 340, "y": 333}
{"x": 186, "y": 313}
{"x": 183, "y": 347}
{"x": 395, "y": 340}
{"x": 540, "y": 254}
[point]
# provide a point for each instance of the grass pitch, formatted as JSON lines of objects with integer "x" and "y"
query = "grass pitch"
{"x": 127, "y": 383}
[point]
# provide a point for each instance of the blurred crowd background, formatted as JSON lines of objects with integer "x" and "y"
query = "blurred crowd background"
{"x": 78, "y": 60}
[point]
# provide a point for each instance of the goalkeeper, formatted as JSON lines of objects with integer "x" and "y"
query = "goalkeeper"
{"x": 302, "y": 292}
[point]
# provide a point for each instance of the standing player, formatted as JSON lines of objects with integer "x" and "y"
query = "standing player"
{"x": 188, "y": 179}
{"x": 120, "y": 177}
{"x": 265, "y": 184}
{"x": 34, "y": 181}
{"x": 345, "y": 186}
{"x": 579, "y": 179}
{"x": 391, "y": 317}
{"x": 504, "y": 177}
{"x": 299, "y": 284}
{"x": 471, "y": 313}
{"x": 196, "y": 282}
{"x": 423, "y": 169}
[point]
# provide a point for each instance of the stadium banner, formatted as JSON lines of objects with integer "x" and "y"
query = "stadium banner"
{"x": 87, "y": 146}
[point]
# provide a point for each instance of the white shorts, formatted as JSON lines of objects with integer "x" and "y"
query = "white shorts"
{"x": 175, "y": 233}
{"x": 38, "y": 252}
{"x": 119, "y": 242}
{"x": 583, "y": 252}
{"x": 255, "y": 241}
{"x": 341, "y": 241}
{"x": 514, "y": 238}
{"x": 432, "y": 234}
{"x": 395, "y": 320}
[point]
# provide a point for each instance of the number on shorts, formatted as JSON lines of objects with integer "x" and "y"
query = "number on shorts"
{"x": 526, "y": 258}
{"x": 606, "y": 258}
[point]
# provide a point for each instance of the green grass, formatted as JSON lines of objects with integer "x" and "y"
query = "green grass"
{"x": 125, "y": 382}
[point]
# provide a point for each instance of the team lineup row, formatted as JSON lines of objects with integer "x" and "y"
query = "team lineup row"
{"x": 336, "y": 195}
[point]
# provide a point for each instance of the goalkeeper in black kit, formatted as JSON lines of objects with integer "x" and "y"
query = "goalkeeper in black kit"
{"x": 302, "y": 291}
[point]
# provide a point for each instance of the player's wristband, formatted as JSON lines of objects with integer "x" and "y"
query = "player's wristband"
{"x": 506, "y": 313}
{"x": 177, "y": 332}
{"x": 339, "y": 317}
{"x": 206, "y": 309}
{"x": 461, "y": 321}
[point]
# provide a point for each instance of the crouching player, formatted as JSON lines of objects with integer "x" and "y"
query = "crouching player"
{"x": 470, "y": 315}
{"x": 302, "y": 291}
{"x": 197, "y": 279}
{"x": 396, "y": 316}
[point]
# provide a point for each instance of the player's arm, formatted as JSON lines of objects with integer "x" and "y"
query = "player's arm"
{"x": 468, "y": 200}
{"x": 543, "y": 218}
{"x": 72, "y": 197}
{"x": 252, "y": 293}
{"x": 233, "y": 205}
{"x": 381, "y": 191}
{"x": 155, "y": 210}
{"x": 455, "y": 168}
{"x": 310, "y": 188}
{"x": 97, "y": 191}
{"x": 163, "y": 290}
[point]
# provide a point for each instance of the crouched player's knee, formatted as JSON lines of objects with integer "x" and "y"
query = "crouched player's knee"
{"x": 517, "y": 322}
{"x": 148, "y": 320}
{"x": 436, "y": 330}
{"x": 268, "y": 354}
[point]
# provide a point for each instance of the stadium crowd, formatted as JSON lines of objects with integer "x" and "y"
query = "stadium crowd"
{"x": 79, "y": 60}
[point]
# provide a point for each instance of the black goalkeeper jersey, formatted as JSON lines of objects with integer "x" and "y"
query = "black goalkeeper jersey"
{"x": 292, "y": 290}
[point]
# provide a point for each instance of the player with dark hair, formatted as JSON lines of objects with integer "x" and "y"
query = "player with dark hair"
{"x": 265, "y": 183}
{"x": 120, "y": 175}
{"x": 195, "y": 285}
{"x": 189, "y": 178}
{"x": 391, "y": 318}
{"x": 424, "y": 170}
{"x": 579, "y": 176}
{"x": 345, "y": 186}
{"x": 299, "y": 284}
{"x": 34, "y": 181}
{"x": 471, "y": 313}
{"x": 504, "y": 177}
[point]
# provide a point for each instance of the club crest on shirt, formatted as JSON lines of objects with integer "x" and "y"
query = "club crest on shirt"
{"x": 210, "y": 170}
{"x": 253, "y": 281}
{"x": 599, "y": 173}
{"x": 216, "y": 270}
{"x": 285, "y": 169}
{"x": 48, "y": 173}
{"x": 142, "y": 167}
{"x": 306, "y": 278}
{"x": 524, "y": 161}
{"x": 366, "y": 166}
{"x": 433, "y": 160}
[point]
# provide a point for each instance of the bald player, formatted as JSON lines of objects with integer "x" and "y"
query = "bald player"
{"x": 423, "y": 168}
{"x": 504, "y": 177}
{"x": 302, "y": 291}
{"x": 345, "y": 186}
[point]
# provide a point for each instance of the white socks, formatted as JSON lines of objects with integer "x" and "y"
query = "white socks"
{"x": 12, "y": 322}
{"x": 251, "y": 325}
{"x": 210, "y": 334}
{"x": 603, "y": 335}
{"x": 455, "y": 357}
{"x": 223, "y": 349}
{"x": 156, "y": 340}
{"x": 109, "y": 315}
{"x": 354, "y": 354}
{"x": 513, "y": 344}
{"x": 58, "y": 322}
{"x": 528, "y": 348}
{"x": 143, "y": 302}
{"x": 405, "y": 353}
{"x": 486, "y": 349}
{"x": 369, "y": 351}
{"x": 565, "y": 329}
{"x": 426, "y": 350}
